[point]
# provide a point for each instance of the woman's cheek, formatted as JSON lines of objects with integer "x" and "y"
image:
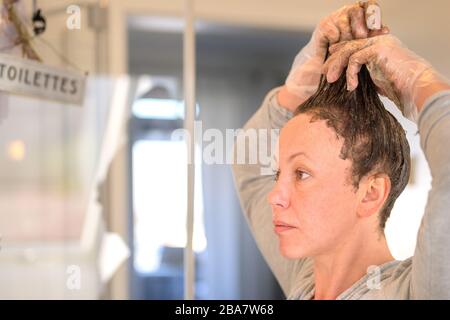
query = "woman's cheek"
{"x": 311, "y": 208}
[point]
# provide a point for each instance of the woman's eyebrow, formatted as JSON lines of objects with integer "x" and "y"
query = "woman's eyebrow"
{"x": 297, "y": 154}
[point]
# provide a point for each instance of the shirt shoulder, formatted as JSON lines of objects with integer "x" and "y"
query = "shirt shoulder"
{"x": 390, "y": 281}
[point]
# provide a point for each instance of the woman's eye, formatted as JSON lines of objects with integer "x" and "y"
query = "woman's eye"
{"x": 302, "y": 175}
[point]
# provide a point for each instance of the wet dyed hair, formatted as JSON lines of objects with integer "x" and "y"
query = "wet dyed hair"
{"x": 373, "y": 138}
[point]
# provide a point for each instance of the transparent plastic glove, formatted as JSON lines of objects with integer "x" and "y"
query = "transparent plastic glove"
{"x": 344, "y": 24}
{"x": 398, "y": 73}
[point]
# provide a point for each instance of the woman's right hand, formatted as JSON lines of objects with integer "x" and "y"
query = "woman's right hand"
{"x": 401, "y": 75}
{"x": 347, "y": 23}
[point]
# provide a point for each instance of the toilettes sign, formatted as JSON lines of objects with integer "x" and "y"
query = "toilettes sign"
{"x": 37, "y": 80}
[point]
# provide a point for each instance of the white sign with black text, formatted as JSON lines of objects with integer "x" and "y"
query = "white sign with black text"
{"x": 34, "y": 79}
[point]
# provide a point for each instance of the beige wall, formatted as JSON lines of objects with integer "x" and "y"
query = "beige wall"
{"x": 422, "y": 25}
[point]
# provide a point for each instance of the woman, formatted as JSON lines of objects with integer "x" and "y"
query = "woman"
{"x": 320, "y": 234}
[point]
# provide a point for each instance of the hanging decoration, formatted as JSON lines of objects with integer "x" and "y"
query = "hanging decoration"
{"x": 28, "y": 75}
{"x": 39, "y": 22}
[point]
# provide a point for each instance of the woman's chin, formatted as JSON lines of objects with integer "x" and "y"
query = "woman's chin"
{"x": 292, "y": 251}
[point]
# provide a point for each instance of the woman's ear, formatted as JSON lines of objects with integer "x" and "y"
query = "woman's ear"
{"x": 374, "y": 192}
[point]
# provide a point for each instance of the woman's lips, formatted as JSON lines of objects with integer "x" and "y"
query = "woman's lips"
{"x": 280, "y": 227}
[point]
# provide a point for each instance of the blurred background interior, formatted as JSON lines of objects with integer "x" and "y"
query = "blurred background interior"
{"x": 93, "y": 198}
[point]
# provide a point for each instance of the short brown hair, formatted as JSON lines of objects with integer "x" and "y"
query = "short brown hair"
{"x": 373, "y": 138}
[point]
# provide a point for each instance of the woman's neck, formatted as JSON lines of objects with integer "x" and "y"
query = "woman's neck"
{"x": 339, "y": 270}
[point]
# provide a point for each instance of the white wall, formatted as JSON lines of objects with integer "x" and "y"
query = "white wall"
{"x": 403, "y": 224}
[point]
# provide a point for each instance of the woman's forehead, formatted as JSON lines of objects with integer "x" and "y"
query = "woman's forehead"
{"x": 313, "y": 138}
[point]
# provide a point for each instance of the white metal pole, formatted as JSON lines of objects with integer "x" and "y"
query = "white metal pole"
{"x": 189, "y": 100}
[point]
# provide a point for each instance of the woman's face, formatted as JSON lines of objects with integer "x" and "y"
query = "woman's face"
{"x": 313, "y": 202}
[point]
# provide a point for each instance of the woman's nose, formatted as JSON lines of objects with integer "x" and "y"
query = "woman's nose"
{"x": 278, "y": 197}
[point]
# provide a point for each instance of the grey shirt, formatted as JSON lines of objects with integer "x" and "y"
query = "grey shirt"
{"x": 426, "y": 275}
